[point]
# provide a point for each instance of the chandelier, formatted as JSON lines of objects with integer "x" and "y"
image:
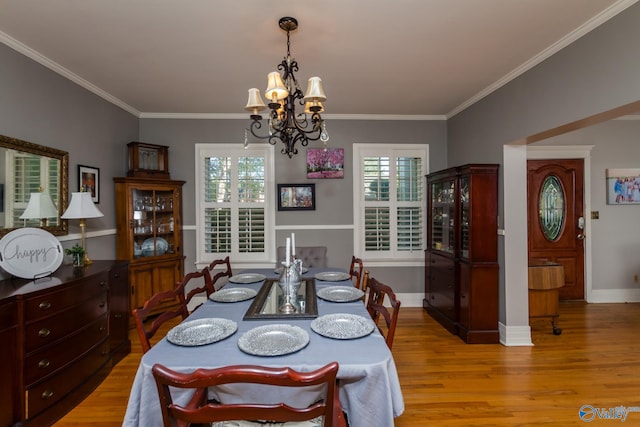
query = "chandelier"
{"x": 284, "y": 96}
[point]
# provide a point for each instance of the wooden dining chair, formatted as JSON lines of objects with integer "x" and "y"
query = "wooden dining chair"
{"x": 375, "y": 306}
{"x": 203, "y": 278}
{"x": 355, "y": 271}
{"x": 198, "y": 409}
{"x": 217, "y": 276}
{"x": 150, "y": 307}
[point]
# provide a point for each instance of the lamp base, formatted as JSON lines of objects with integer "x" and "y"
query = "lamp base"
{"x": 87, "y": 260}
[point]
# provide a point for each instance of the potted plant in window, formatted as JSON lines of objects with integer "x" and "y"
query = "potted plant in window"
{"x": 77, "y": 252}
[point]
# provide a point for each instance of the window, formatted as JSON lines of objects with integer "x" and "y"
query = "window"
{"x": 29, "y": 173}
{"x": 235, "y": 203}
{"x": 389, "y": 202}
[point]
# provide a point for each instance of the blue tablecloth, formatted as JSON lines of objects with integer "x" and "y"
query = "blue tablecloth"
{"x": 369, "y": 385}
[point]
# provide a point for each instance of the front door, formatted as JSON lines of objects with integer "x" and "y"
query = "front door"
{"x": 555, "y": 218}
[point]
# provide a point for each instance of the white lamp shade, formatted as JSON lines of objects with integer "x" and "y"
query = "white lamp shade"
{"x": 315, "y": 92}
{"x": 81, "y": 206}
{"x": 275, "y": 87}
{"x": 40, "y": 206}
{"x": 255, "y": 102}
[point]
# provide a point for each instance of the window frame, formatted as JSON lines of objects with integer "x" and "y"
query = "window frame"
{"x": 394, "y": 257}
{"x": 235, "y": 151}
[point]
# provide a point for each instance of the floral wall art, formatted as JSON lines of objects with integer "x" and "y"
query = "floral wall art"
{"x": 325, "y": 163}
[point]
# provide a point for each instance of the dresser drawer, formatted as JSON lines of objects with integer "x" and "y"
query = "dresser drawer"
{"x": 47, "y": 304}
{"x": 46, "y": 393}
{"x": 43, "y": 363}
{"x": 50, "y": 329}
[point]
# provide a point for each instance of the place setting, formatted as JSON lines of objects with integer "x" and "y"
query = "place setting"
{"x": 342, "y": 326}
{"x": 340, "y": 293}
{"x": 332, "y": 276}
{"x": 233, "y": 294}
{"x": 201, "y": 332}
{"x": 273, "y": 340}
{"x": 247, "y": 278}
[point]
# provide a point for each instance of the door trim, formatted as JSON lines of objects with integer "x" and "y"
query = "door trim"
{"x": 574, "y": 152}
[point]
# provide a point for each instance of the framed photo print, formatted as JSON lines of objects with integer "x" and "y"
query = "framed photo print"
{"x": 89, "y": 181}
{"x": 296, "y": 197}
{"x": 623, "y": 186}
{"x": 325, "y": 163}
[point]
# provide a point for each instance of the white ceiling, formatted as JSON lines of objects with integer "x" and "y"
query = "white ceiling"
{"x": 375, "y": 57}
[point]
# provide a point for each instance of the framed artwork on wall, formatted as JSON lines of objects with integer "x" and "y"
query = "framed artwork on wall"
{"x": 623, "y": 186}
{"x": 325, "y": 163}
{"x": 296, "y": 197}
{"x": 89, "y": 181}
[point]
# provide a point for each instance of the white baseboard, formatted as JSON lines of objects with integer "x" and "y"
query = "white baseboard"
{"x": 512, "y": 336}
{"x": 614, "y": 295}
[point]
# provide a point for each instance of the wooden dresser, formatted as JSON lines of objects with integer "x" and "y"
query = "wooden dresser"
{"x": 61, "y": 334}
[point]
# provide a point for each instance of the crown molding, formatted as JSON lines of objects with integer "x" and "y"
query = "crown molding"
{"x": 57, "y": 68}
{"x": 574, "y": 35}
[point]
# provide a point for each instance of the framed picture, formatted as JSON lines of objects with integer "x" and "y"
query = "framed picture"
{"x": 89, "y": 181}
{"x": 623, "y": 186}
{"x": 325, "y": 163}
{"x": 296, "y": 197}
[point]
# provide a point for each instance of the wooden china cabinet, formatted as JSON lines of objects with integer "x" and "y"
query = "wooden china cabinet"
{"x": 461, "y": 268}
{"x": 149, "y": 227}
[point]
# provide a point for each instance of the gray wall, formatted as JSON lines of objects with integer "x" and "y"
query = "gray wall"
{"x": 615, "y": 234}
{"x": 40, "y": 106}
{"x": 595, "y": 74}
{"x": 331, "y": 223}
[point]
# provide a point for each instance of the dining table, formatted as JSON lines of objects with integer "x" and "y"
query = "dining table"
{"x": 368, "y": 384}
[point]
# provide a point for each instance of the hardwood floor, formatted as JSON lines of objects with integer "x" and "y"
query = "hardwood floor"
{"x": 445, "y": 382}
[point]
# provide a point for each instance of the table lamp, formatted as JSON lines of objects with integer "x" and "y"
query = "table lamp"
{"x": 81, "y": 207}
{"x": 40, "y": 207}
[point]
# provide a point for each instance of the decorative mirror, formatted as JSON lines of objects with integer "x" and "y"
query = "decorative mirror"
{"x": 37, "y": 174}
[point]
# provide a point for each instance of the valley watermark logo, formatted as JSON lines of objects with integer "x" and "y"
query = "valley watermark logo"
{"x": 589, "y": 413}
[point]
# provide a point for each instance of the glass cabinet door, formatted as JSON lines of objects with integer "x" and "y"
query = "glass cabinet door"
{"x": 153, "y": 222}
{"x": 442, "y": 218}
{"x": 464, "y": 217}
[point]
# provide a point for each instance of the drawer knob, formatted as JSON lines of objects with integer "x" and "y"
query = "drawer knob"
{"x": 102, "y": 328}
{"x": 102, "y": 283}
{"x": 118, "y": 315}
{"x": 102, "y": 304}
{"x": 44, "y": 332}
{"x": 44, "y": 305}
{"x": 44, "y": 363}
{"x": 46, "y": 394}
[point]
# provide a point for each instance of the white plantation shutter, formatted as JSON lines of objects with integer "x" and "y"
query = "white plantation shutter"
{"x": 29, "y": 173}
{"x": 389, "y": 203}
{"x": 235, "y": 210}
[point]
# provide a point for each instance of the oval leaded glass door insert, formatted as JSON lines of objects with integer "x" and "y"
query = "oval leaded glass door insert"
{"x": 552, "y": 207}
